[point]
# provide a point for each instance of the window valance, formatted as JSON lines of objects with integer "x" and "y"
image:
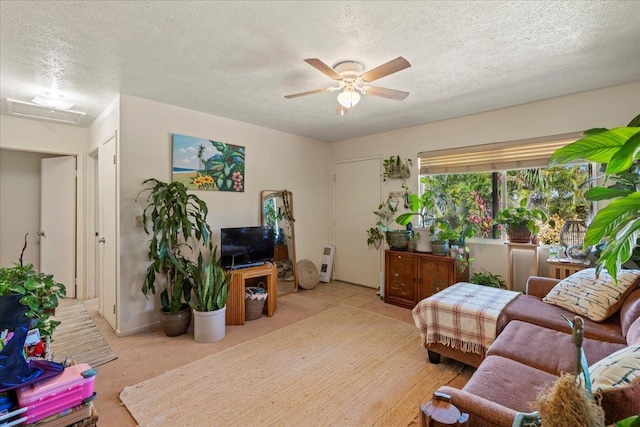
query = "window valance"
{"x": 520, "y": 154}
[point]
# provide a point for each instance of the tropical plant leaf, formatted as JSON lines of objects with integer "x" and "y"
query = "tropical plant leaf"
{"x": 635, "y": 122}
{"x": 601, "y": 193}
{"x": 598, "y": 147}
{"x": 626, "y": 155}
{"x": 606, "y": 218}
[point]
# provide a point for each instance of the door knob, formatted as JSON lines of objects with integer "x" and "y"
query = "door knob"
{"x": 101, "y": 240}
{"x": 41, "y": 233}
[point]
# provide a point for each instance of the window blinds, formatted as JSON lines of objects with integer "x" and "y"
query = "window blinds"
{"x": 520, "y": 154}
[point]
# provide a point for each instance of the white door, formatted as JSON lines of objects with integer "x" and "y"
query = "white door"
{"x": 58, "y": 220}
{"x": 356, "y": 196}
{"x": 107, "y": 234}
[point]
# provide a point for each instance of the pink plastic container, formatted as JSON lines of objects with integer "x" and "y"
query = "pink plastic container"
{"x": 72, "y": 387}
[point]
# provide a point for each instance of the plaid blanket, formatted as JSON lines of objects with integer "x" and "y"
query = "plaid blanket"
{"x": 462, "y": 316}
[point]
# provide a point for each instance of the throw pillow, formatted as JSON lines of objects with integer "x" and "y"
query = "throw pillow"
{"x": 594, "y": 298}
{"x": 617, "y": 370}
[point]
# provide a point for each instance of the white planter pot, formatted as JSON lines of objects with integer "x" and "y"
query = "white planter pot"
{"x": 424, "y": 242}
{"x": 209, "y": 326}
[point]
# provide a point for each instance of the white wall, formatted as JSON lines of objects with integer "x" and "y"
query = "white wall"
{"x": 41, "y": 136}
{"x": 20, "y": 206}
{"x": 610, "y": 107}
{"x": 274, "y": 161}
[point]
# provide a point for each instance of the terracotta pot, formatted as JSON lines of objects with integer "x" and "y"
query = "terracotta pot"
{"x": 174, "y": 324}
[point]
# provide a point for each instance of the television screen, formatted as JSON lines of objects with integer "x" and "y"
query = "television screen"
{"x": 246, "y": 246}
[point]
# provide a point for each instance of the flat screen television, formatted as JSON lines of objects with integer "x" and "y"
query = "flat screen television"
{"x": 246, "y": 246}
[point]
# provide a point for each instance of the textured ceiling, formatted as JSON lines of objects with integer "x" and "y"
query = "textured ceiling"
{"x": 237, "y": 59}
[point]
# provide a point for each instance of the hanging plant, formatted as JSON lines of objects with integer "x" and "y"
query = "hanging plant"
{"x": 395, "y": 167}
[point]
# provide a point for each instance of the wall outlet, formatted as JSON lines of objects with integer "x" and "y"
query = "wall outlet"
{"x": 138, "y": 221}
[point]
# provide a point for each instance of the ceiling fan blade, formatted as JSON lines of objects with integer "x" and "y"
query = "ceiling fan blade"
{"x": 341, "y": 110}
{"x": 390, "y": 67}
{"x": 398, "y": 95}
{"x": 311, "y": 92}
{"x": 315, "y": 62}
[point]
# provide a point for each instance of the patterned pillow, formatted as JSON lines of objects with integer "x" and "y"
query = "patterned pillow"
{"x": 617, "y": 370}
{"x": 596, "y": 299}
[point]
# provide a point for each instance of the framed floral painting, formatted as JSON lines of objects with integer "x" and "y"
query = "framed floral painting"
{"x": 202, "y": 164}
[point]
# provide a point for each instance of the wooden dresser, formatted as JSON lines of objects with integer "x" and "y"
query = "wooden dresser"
{"x": 412, "y": 276}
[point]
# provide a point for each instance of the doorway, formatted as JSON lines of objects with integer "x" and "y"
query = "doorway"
{"x": 27, "y": 181}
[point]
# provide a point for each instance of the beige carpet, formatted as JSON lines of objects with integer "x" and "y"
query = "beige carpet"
{"x": 78, "y": 337}
{"x": 342, "y": 367}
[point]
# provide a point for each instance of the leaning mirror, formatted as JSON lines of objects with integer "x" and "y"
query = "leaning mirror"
{"x": 277, "y": 212}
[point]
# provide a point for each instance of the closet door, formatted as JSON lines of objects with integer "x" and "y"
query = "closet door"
{"x": 356, "y": 196}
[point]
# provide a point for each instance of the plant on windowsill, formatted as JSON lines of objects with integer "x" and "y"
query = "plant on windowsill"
{"x": 179, "y": 231}
{"x": 616, "y": 227}
{"x": 520, "y": 222}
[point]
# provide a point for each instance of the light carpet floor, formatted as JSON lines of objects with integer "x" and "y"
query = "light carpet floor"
{"x": 78, "y": 337}
{"x": 342, "y": 367}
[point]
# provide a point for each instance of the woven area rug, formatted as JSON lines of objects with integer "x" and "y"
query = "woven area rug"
{"x": 78, "y": 336}
{"x": 343, "y": 367}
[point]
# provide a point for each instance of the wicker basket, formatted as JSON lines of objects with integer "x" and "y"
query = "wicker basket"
{"x": 254, "y": 299}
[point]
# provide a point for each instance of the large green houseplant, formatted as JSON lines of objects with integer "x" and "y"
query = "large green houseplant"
{"x": 520, "y": 221}
{"x": 616, "y": 227}
{"x": 179, "y": 231}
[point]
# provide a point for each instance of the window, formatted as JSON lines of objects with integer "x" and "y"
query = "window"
{"x": 478, "y": 182}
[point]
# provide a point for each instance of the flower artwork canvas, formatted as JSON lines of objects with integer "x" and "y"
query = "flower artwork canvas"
{"x": 202, "y": 164}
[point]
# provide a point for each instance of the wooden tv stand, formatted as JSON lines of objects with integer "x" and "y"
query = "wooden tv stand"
{"x": 235, "y": 301}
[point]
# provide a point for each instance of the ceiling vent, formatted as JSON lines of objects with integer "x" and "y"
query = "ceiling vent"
{"x": 35, "y": 111}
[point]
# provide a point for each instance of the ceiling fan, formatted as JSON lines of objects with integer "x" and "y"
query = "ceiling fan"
{"x": 352, "y": 80}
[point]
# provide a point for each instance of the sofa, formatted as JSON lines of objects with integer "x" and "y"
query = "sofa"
{"x": 534, "y": 346}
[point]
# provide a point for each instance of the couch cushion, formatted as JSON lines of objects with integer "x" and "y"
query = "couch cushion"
{"x": 508, "y": 383}
{"x": 530, "y": 309}
{"x": 616, "y": 378}
{"x": 594, "y": 298}
{"x": 545, "y": 349}
{"x": 633, "y": 334}
{"x": 630, "y": 311}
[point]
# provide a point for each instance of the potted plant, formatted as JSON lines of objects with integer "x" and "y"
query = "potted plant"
{"x": 488, "y": 279}
{"x": 374, "y": 237}
{"x": 394, "y": 167}
{"x": 178, "y": 230}
{"x": 397, "y": 240}
{"x": 211, "y": 288}
{"x": 420, "y": 206}
{"x": 443, "y": 236}
{"x": 24, "y": 292}
{"x": 520, "y": 222}
{"x": 617, "y": 224}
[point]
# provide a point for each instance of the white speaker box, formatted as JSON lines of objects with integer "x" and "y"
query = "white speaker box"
{"x": 327, "y": 263}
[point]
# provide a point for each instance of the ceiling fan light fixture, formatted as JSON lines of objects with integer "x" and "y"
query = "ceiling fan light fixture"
{"x": 55, "y": 104}
{"x": 348, "y": 98}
